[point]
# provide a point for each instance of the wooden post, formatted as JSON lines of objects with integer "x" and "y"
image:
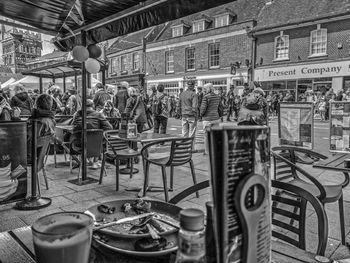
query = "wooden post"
{"x": 83, "y": 113}
{"x": 41, "y": 85}
{"x": 104, "y": 75}
{"x": 64, "y": 82}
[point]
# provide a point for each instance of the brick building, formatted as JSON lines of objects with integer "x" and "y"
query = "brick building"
{"x": 303, "y": 45}
{"x": 126, "y": 57}
{"x": 211, "y": 46}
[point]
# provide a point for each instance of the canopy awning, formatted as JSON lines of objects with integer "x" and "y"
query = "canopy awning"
{"x": 103, "y": 19}
{"x": 62, "y": 69}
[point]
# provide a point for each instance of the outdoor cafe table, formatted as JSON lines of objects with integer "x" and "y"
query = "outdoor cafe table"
{"x": 16, "y": 246}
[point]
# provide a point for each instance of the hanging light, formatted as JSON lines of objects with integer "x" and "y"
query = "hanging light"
{"x": 80, "y": 53}
{"x": 92, "y": 65}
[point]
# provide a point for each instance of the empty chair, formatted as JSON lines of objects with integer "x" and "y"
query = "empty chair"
{"x": 283, "y": 211}
{"x": 117, "y": 149}
{"x": 287, "y": 170}
{"x": 43, "y": 143}
{"x": 180, "y": 154}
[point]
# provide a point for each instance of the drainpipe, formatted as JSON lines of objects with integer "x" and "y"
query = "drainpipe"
{"x": 253, "y": 58}
{"x": 144, "y": 43}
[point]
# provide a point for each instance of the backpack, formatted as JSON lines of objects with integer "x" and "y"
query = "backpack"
{"x": 157, "y": 106}
{"x": 252, "y": 101}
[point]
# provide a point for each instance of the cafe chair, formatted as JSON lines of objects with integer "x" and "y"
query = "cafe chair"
{"x": 94, "y": 139}
{"x": 180, "y": 154}
{"x": 189, "y": 191}
{"x": 286, "y": 169}
{"x": 281, "y": 214}
{"x": 117, "y": 149}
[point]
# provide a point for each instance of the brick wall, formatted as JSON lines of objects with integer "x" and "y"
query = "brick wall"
{"x": 116, "y": 67}
{"x": 299, "y": 44}
{"x": 232, "y": 48}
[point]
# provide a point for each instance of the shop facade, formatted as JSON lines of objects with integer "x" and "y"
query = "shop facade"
{"x": 297, "y": 79}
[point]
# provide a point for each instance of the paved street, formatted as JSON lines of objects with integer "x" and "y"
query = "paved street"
{"x": 66, "y": 196}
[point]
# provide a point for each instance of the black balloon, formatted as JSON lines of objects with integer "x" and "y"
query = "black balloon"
{"x": 94, "y": 51}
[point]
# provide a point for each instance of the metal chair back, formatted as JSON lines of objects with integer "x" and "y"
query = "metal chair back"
{"x": 114, "y": 144}
{"x": 285, "y": 214}
{"x": 94, "y": 142}
{"x": 43, "y": 143}
{"x": 181, "y": 151}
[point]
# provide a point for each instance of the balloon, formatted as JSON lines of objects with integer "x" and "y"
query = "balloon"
{"x": 80, "y": 53}
{"x": 92, "y": 66}
{"x": 94, "y": 51}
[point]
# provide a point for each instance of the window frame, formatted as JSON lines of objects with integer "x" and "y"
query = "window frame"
{"x": 227, "y": 18}
{"x": 286, "y": 40}
{"x": 314, "y": 32}
{"x": 196, "y": 27}
{"x": 193, "y": 59}
{"x": 169, "y": 62}
{"x": 114, "y": 65}
{"x": 123, "y": 63}
{"x": 136, "y": 54}
{"x": 175, "y": 28}
{"x": 210, "y": 56}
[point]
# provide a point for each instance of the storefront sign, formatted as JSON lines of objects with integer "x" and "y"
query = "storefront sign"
{"x": 13, "y": 161}
{"x": 330, "y": 69}
{"x": 295, "y": 124}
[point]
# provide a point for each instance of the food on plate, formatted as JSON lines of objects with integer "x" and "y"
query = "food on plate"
{"x": 148, "y": 244}
{"x": 106, "y": 209}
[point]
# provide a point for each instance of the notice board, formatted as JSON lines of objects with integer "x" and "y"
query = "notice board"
{"x": 296, "y": 124}
{"x": 339, "y": 120}
{"x": 13, "y": 161}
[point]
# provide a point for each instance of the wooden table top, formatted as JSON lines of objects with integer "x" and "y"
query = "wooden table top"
{"x": 335, "y": 163}
{"x": 16, "y": 246}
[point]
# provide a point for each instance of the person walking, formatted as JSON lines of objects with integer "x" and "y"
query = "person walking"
{"x": 200, "y": 97}
{"x": 160, "y": 110}
{"x": 121, "y": 96}
{"x": 136, "y": 109}
{"x": 209, "y": 111}
{"x": 230, "y": 102}
{"x": 101, "y": 96}
{"x": 188, "y": 106}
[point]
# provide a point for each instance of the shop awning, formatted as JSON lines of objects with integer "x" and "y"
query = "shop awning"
{"x": 101, "y": 19}
{"x": 59, "y": 70}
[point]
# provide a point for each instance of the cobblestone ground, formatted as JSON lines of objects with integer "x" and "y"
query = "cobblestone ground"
{"x": 67, "y": 196}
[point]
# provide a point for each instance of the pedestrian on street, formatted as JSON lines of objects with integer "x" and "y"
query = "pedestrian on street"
{"x": 121, "y": 96}
{"x": 101, "y": 96}
{"x": 160, "y": 110}
{"x": 209, "y": 111}
{"x": 136, "y": 109}
{"x": 230, "y": 102}
{"x": 200, "y": 97}
{"x": 188, "y": 105}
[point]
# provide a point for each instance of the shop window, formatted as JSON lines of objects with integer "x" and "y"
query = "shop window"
{"x": 190, "y": 59}
{"x": 123, "y": 63}
{"x": 135, "y": 61}
{"x": 318, "y": 42}
{"x": 198, "y": 26}
{"x": 178, "y": 31}
{"x": 221, "y": 21}
{"x": 169, "y": 61}
{"x": 282, "y": 47}
{"x": 113, "y": 66}
{"x": 214, "y": 55}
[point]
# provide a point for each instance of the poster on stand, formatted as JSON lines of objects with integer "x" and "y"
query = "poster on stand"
{"x": 13, "y": 161}
{"x": 339, "y": 120}
{"x": 296, "y": 124}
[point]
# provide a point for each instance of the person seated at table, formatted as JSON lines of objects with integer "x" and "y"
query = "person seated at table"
{"x": 22, "y": 100}
{"x": 109, "y": 111}
{"x": 6, "y": 112}
{"x": 136, "y": 108}
{"x": 43, "y": 113}
{"x": 94, "y": 120}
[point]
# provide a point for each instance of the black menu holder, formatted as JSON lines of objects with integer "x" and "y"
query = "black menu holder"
{"x": 239, "y": 167}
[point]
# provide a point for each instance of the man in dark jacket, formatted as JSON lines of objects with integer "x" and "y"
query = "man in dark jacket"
{"x": 121, "y": 97}
{"x": 188, "y": 104}
{"x": 22, "y": 100}
{"x": 101, "y": 96}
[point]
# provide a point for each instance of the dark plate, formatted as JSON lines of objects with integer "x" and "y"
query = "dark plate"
{"x": 126, "y": 246}
{"x": 169, "y": 210}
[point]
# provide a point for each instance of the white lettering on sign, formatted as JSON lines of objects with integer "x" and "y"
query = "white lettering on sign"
{"x": 334, "y": 69}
